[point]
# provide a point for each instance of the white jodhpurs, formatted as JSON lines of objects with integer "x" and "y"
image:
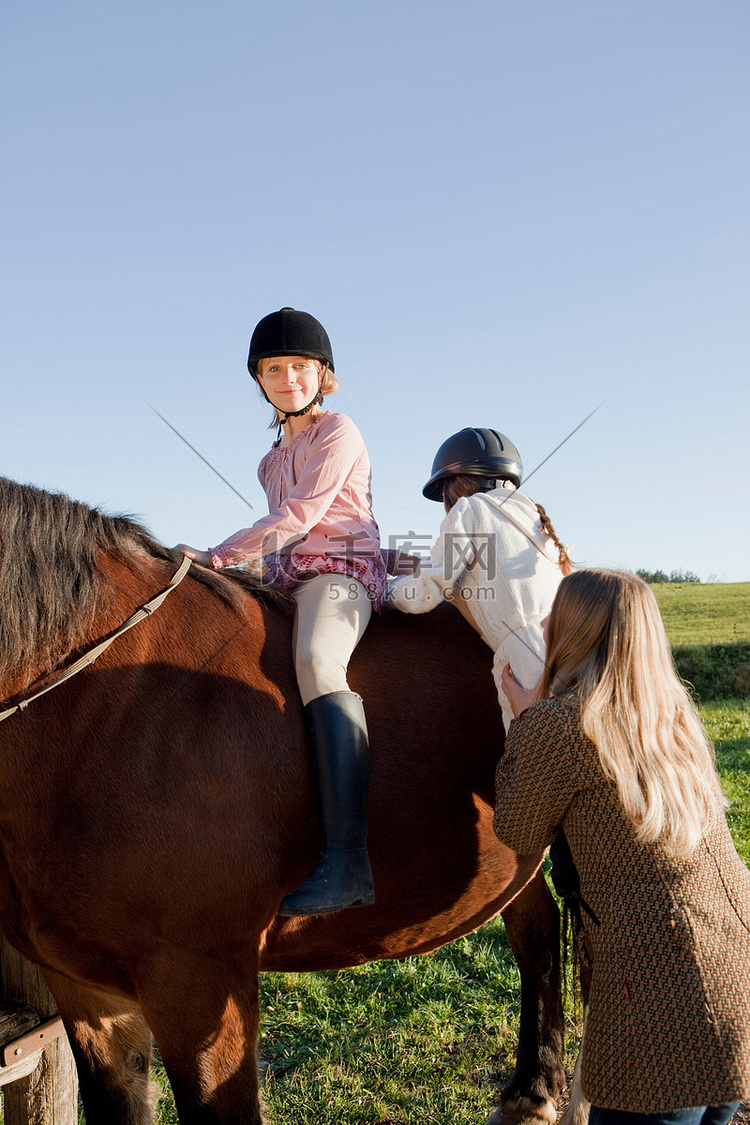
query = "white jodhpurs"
{"x": 332, "y": 614}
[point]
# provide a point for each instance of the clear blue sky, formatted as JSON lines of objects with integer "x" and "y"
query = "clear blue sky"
{"x": 504, "y": 213}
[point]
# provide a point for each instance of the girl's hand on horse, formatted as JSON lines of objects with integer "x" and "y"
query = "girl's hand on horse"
{"x": 519, "y": 697}
{"x": 398, "y": 562}
{"x": 202, "y": 557}
{"x": 406, "y": 564}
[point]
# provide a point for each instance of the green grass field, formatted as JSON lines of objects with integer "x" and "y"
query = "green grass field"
{"x": 709, "y": 627}
{"x": 699, "y": 614}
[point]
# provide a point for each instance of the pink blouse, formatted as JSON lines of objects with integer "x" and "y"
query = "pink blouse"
{"x": 320, "y": 511}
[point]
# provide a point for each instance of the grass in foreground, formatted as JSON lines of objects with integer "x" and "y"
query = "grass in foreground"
{"x": 422, "y": 1040}
{"x": 430, "y": 1039}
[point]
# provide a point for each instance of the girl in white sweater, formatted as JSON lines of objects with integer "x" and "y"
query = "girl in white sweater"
{"x": 498, "y": 558}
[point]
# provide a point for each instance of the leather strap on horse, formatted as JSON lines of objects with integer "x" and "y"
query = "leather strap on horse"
{"x": 89, "y": 657}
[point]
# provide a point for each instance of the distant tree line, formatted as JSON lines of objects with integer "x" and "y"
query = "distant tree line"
{"x": 654, "y": 576}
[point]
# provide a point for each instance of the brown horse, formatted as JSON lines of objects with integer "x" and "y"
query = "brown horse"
{"x": 156, "y": 808}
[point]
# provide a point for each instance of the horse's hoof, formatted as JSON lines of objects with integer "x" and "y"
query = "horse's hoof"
{"x": 522, "y": 1110}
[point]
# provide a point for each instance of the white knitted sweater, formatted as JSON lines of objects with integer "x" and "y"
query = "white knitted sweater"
{"x": 493, "y": 554}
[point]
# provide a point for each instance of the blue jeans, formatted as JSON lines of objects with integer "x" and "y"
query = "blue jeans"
{"x": 697, "y": 1115}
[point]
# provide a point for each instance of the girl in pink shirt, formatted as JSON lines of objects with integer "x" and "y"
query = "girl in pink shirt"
{"x": 321, "y": 544}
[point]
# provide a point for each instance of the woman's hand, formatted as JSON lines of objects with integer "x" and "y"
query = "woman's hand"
{"x": 202, "y": 557}
{"x": 519, "y": 697}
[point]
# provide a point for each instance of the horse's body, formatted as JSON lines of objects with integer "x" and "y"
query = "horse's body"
{"x": 155, "y": 810}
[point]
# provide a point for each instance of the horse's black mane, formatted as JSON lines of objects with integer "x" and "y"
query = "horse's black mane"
{"x": 51, "y": 584}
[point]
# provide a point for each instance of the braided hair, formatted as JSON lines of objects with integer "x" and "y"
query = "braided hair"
{"x": 563, "y": 558}
{"x": 465, "y": 485}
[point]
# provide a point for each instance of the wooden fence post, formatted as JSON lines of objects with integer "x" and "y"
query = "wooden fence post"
{"x": 48, "y": 1093}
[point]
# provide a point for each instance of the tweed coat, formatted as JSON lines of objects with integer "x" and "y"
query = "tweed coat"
{"x": 668, "y": 1025}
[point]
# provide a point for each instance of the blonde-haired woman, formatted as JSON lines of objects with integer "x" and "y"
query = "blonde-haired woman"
{"x": 614, "y": 754}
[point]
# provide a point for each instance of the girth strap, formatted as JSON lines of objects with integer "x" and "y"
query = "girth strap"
{"x": 89, "y": 657}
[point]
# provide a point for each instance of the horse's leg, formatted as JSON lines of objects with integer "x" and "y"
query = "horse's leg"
{"x": 532, "y": 922}
{"x": 204, "y": 1016}
{"x": 111, "y": 1044}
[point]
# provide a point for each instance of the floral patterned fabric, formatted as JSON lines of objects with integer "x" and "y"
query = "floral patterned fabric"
{"x": 287, "y": 571}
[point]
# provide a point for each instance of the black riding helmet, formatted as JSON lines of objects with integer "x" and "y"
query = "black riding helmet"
{"x": 477, "y": 453}
{"x": 289, "y": 332}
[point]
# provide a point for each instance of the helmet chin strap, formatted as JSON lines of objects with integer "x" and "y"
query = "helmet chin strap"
{"x": 316, "y": 401}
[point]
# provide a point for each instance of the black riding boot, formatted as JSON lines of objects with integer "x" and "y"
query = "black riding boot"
{"x": 340, "y": 762}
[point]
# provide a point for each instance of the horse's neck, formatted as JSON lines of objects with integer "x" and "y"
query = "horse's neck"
{"x": 121, "y": 590}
